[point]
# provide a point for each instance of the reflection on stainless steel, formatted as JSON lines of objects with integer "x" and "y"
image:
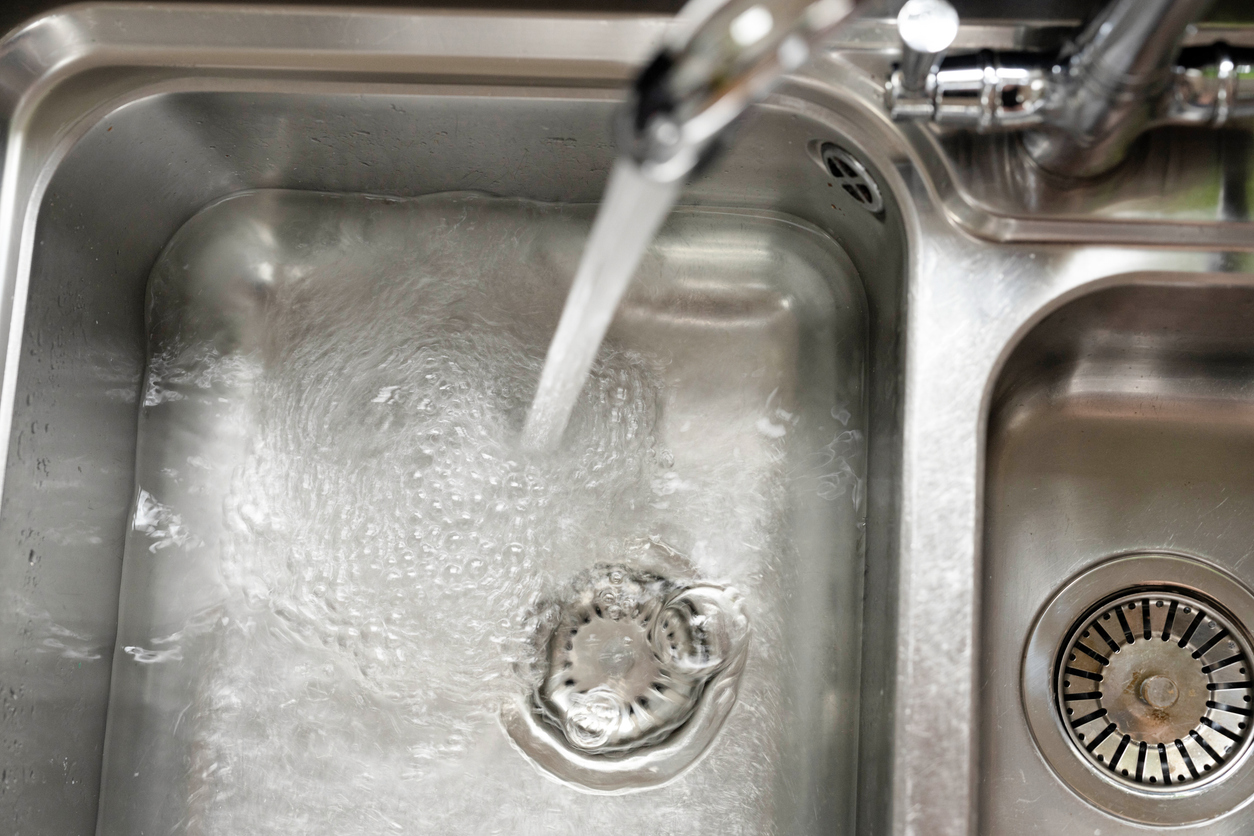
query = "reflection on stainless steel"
{"x": 1132, "y": 436}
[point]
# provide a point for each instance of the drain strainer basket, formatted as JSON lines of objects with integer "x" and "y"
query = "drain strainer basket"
{"x": 636, "y": 674}
{"x": 1154, "y": 686}
{"x": 1137, "y": 687}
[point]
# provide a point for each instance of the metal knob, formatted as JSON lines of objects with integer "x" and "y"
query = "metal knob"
{"x": 927, "y": 28}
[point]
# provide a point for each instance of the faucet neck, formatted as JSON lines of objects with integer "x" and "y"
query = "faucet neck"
{"x": 1080, "y": 109}
{"x": 726, "y": 56}
{"x": 1108, "y": 84}
{"x": 1133, "y": 43}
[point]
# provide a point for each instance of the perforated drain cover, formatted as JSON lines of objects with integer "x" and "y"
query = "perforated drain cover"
{"x": 611, "y": 681}
{"x": 1137, "y": 688}
{"x": 638, "y": 673}
{"x": 853, "y": 177}
{"x": 1155, "y": 687}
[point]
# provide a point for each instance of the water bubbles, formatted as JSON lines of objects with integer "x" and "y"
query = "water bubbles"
{"x": 390, "y": 543}
{"x": 421, "y": 536}
{"x": 593, "y": 717}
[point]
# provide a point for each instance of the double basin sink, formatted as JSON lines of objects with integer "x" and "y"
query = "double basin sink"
{"x": 276, "y": 287}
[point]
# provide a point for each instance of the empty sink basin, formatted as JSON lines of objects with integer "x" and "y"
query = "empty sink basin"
{"x": 1116, "y": 569}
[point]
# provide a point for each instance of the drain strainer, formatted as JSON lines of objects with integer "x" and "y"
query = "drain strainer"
{"x": 637, "y": 674}
{"x": 627, "y": 662}
{"x": 1154, "y": 687}
{"x": 852, "y": 176}
{"x": 1138, "y": 690}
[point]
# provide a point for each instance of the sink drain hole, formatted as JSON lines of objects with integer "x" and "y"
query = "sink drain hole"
{"x": 628, "y": 658}
{"x": 1153, "y": 689}
{"x": 635, "y": 676}
{"x": 1136, "y": 687}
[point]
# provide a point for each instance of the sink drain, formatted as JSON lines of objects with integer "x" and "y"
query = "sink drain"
{"x": 627, "y": 661}
{"x": 637, "y": 673}
{"x": 850, "y": 175}
{"x": 1154, "y": 687}
{"x": 1137, "y": 688}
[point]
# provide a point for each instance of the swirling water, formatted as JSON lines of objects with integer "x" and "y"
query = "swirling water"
{"x": 386, "y": 539}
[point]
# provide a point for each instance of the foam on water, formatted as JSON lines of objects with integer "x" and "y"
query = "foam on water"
{"x": 388, "y": 542}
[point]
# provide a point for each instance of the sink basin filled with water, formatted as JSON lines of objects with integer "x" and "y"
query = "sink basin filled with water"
{"x": 339, "y": 547}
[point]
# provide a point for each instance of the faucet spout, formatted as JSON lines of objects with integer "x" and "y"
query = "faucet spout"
{"x": 725, "y": 56}
{"x": 1107, "y": 85}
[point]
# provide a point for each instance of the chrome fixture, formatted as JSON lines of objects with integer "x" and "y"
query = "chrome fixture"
{"x": 721, "y": 58}
{"x": 1150, "y": 687}
{"x": 638, "y": 674}
{"x": 1081, "y": 107}
{"x": 1142, "y": 702}
{"x": 927, "y": 28}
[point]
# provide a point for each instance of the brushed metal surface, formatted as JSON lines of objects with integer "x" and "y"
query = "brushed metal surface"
{"x": 1119, "y": 426}
{"x": 119, "y": 126}
{"x": 1098, "y": 782}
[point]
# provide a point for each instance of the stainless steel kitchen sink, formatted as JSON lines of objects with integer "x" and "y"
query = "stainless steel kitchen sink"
{"x": 198, "y": 235}
{"x": 1119, "y": 456}
{"x": 977, "y": 409}
{"x": 337, "y": 542}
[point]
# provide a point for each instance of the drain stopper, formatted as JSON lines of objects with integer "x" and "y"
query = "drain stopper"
{"x": 1159, "y": 692}
{"x": 629, "y": 655}
{"x": 1154, "y": 688}
{"x": 634, "y": 676}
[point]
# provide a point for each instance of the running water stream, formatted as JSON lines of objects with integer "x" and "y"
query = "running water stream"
{"x": 631, "y": 212}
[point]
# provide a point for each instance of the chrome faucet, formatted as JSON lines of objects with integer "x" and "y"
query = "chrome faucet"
{"x": 722, "y": 58}
{"x": 1078, "y": 109}
{"x": 1081, "y": 108}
